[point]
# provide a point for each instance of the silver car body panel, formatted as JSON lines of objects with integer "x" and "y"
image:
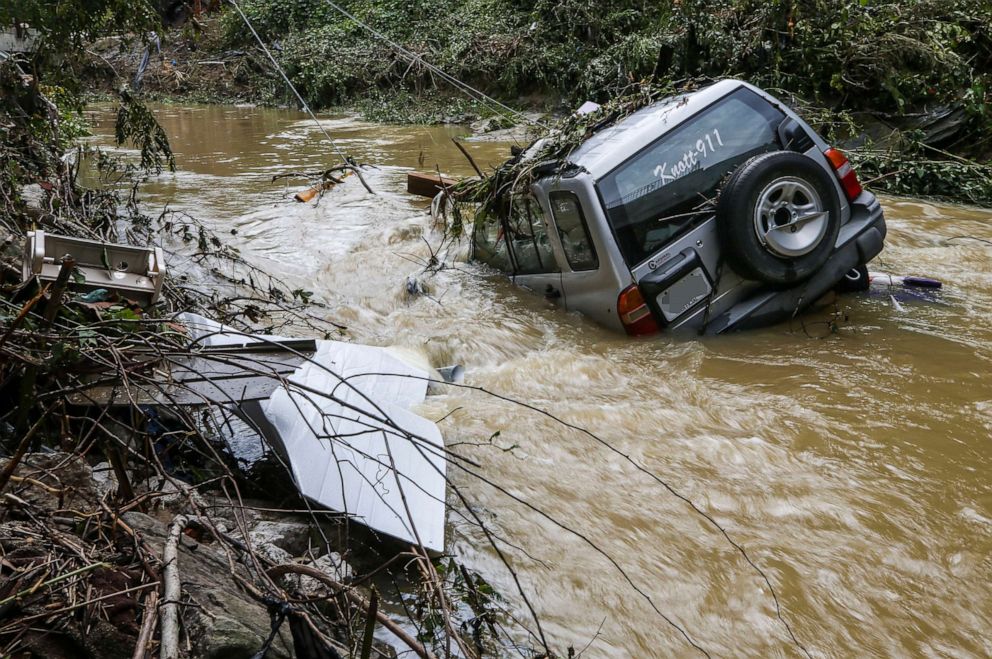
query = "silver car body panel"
{"x": 592, "y": 292}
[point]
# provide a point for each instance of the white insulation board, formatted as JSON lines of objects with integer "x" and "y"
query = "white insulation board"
{"x": 335, "y": 429}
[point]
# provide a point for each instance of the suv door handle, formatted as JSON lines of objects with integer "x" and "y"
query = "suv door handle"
{"x": 551, "y": 293}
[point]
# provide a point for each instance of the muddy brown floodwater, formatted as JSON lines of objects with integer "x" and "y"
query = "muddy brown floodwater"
{"x": 854, "y": 466}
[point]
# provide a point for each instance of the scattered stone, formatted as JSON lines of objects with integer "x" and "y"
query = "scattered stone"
{"x": 221, "y": 620}
{"x": 293, "y": 537}
{"x": 54, "y": 481}
{"x": 104, "y": 479}
{"x": 330, "y": 564}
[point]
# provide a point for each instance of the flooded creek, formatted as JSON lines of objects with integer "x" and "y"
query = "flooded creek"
{"x": 853, "y": 465}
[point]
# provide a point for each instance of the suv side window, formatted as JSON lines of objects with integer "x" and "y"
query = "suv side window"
{"x": 528, "y": 237}
{"x": 662, "y": 191}
{"x": 573, "y": 231}
{"x": 489, "y": 244}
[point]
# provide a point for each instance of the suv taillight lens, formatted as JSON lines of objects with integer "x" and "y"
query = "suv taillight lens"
{"x": 635, "y": 315}
{"x": 845, "y": 173}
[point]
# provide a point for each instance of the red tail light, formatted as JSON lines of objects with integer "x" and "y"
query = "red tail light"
{"x": 635, "y": 315}
{"x": 845, "y": 173}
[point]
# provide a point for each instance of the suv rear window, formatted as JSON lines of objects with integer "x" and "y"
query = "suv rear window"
{"x": 661, "y": 191}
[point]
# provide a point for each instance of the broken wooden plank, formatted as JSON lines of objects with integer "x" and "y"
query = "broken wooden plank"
{"x": 427, "y": 185}
{"x": 216, "y": 374}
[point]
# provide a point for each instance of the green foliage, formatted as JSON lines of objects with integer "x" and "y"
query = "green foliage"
{"x": 328, "y": 68}
{"x": 892, "y": 56}
{"x": 273, "y": 19}
{"x": 72, "y": 124}
{"x": 911, "y": 172}
{"x": 404, "y": 107}
{"x": 41, "y": 104}
{"x": 476, "y": 607}
{"x": 29, "y": 135}
{"x": 840, "y": 63}
{"x": 68, "y": 25}
{"x": 332, "y": 60}
{"x": 137, "y": 125}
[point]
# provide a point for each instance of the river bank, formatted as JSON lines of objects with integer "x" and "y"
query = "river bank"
{"x": 78, "y": 551}
{"x": 109, "y": 488}
{"x": 934, "y": 147}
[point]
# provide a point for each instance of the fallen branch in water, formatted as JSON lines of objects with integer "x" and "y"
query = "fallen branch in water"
{"x": 326, "y": 176}
{"x": 469, "y": 157}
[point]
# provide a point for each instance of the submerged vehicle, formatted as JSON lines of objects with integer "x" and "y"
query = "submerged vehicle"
{"x": 712, "y": 211}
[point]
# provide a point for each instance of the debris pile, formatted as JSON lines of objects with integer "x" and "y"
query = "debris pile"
{"x": 547, "y": 155}
{"x": 85, "y": 578}
{"x": 154, "y": 546}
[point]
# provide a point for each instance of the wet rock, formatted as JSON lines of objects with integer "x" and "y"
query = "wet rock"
{"x": 330, "y": 564}
{"x": 272, "y": 553}
{"x": 54, "y": 481}
{"x": 292, "y": 537}
{"x": 170, "y": 498}
{"x": 104, "y": 479}
{"x": 105, "y": 641}
{"x": 221, "y": 620}
{"x": 463, "y": 118}
{"x": 415, "y": 287}
{"x": 333, "y": 565}
{"x": 488, "y": 125}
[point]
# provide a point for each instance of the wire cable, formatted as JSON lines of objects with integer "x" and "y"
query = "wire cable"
{"x": 306, "y": 107}
{"x": 465, "y": 87}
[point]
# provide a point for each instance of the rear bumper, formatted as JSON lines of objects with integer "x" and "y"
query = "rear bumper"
{"x": 859, "y": 241}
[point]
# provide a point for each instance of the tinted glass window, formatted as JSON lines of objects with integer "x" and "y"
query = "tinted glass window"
{"x": 664, "y": 189}
{"x": 573, "y": 231}
{"x": 529, "y": 238}
{"x": 490, "y": 247}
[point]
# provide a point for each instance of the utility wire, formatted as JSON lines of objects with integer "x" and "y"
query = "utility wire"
{"x": 306, "y": 108}
{"x": 465, "y": 87}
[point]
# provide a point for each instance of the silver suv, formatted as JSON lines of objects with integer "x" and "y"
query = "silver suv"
{"x": 713, "y": 211}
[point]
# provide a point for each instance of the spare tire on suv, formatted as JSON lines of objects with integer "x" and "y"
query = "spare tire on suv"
{"x": 778, "y": 217}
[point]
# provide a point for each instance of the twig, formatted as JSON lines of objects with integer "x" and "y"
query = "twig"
{"x": 172, "y": 590}
{"x": 355, "y": 598}
{"x": 52, "y": 581}
{"x": 370, "y": 624}
{"x": 148, "y": 621}
{"x": 79, "y": 605}
{"x": 25, "y": 310}
{"x": 37, "y": 483}
{"x": 58, "y": 289}
{"x": 22, "y": 448}
{"x": 471, "y": 160}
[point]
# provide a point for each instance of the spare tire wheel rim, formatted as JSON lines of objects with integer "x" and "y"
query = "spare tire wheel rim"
{"x": 789, "y": 218}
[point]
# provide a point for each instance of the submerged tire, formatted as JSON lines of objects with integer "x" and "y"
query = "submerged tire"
{"x": 778, "y": 217}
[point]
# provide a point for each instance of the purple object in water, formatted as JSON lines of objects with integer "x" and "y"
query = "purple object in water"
{"x": 921, "y": 282}
{"x": 904, "y": 288}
